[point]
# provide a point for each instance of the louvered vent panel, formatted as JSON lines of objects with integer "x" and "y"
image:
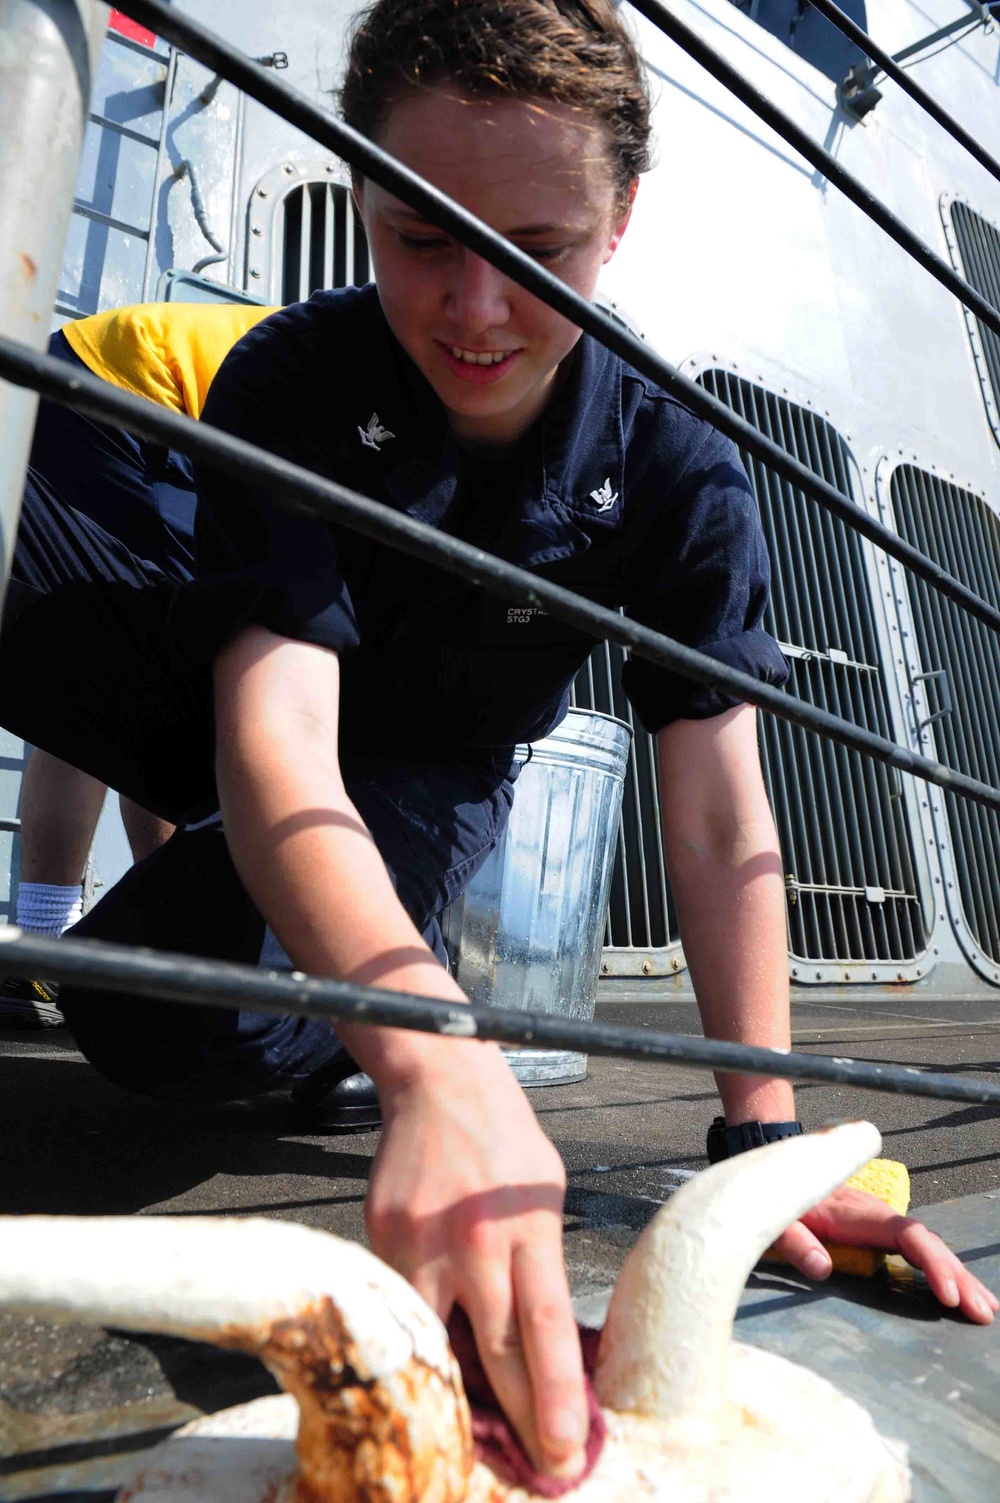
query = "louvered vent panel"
{"x": 852, "y": 894}
{"x": 979, "y": 248}
{"x": 323, "y": 241}
{"x": 640, "y": 916}
{"x": 960, "y": 533}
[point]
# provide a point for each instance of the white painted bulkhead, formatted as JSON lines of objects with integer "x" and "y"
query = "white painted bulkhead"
{"x": 740, "y": 256}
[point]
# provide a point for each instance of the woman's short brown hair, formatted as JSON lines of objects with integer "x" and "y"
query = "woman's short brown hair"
{"x": 576, "y": 53}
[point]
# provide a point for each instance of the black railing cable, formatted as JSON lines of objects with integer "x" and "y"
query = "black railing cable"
{"x": 891, "y": 69}
{"x": 298, "y": 489}
{"x": 714, "y": 63}
{"x": 183, "y": 979}
{"x": 191, "y": 980}
{"x": 215, "y": 53}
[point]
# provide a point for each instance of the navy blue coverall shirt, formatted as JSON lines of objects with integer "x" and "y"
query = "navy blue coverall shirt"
{"x": 617, "y": 492}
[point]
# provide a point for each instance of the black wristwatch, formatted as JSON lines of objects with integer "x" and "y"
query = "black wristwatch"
{"x": 726, "y": 1142}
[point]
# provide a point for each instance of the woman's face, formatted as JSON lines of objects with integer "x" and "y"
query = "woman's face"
{"x": 539, "y": 175}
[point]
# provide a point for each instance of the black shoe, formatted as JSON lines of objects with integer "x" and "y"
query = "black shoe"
{"x": 28, "y": 1004}
{"x": 337, "y": 1098}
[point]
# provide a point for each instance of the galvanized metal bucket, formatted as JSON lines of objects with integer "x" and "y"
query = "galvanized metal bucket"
{"x": 528, "y": 931}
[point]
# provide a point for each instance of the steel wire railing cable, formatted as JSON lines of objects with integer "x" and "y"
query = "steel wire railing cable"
{"x": 714, "y": 63}
{"x": 892, "y": 70}
{"x": 369, "y": 159}
{"x": 191, "y": 980}
{"x": 293, "y": 487}
{"x": 181, "y": 978}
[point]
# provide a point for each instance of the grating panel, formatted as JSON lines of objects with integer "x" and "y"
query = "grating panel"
{"x": 640, "y": 915}
{"x": 979, "y": 248}
{"x": 850, "y": 879}
{"x": 323, "y": 241}
{"x": 959, "y": 532}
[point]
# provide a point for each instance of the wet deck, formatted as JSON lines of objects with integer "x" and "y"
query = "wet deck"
{"x": 75, "y": 1405}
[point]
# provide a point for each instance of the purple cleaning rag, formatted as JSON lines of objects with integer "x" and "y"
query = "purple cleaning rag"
{"x": 496, "y": 1442}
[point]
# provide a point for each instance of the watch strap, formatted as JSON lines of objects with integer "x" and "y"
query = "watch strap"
{"x": 726, "y": 1142}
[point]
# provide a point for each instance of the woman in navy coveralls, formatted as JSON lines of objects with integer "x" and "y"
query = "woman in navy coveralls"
{"x": 455, "y": 396}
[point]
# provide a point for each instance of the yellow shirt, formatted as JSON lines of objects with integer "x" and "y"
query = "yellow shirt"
{"x": 168, "y": 352}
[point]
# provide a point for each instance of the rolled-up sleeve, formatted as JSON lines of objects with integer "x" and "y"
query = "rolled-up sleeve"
{"x": 704, "y": 581}
{"x": 256, "y": 563}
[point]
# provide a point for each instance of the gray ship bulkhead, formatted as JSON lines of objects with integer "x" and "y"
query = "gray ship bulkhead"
{"x": 748, "y": 270}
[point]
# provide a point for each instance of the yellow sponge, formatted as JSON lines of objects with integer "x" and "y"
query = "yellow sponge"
{"x": 891, "y": 1183}
{"x": 888, "y": 1180}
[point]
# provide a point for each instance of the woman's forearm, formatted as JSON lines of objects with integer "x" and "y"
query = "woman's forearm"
{"x": 310, "y": 865}
{"x": 731, "y": 908}
{"x": 301, "y": 848}
{"x": 726, "y": 874}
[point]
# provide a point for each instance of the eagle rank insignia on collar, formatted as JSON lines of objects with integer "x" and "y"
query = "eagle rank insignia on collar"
{"x": 604, "y": 498}
{"x": 374, "y": 434}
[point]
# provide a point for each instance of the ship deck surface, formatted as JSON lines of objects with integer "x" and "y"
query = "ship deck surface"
{"x": 76, "y": 1405}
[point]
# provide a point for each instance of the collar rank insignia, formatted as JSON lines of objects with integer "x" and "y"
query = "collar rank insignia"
{"x": 604, "y": 499}
{"x": 374, "y": 434}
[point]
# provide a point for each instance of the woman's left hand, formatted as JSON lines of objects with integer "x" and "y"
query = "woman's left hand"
{"x": 859, "y": 1219}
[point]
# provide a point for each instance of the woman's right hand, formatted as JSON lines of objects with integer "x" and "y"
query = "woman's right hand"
{"x": 466, "y": 1200}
